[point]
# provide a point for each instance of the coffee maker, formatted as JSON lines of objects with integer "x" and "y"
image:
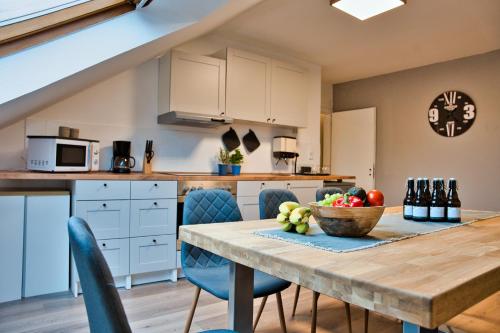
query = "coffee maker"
{"x": 122, "y": 161}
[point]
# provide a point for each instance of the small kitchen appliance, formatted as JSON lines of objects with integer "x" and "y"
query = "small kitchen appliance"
{"x": 57, "y": 154}
{"x": 284, "y": 148}
{"x": 122, "y": 161}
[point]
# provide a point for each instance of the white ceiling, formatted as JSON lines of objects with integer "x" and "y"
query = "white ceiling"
{"x": 420, "y": 33}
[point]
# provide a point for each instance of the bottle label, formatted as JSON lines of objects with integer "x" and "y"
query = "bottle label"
{"x": 437, "y": 212}
{"x": 408, "y": 210}
{"x": 420, "y": 212}
{"x": 453, "y": 212}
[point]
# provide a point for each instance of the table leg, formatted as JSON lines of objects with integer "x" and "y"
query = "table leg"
{"x": 240, "y": 312}
{"x": 412, "y": 328}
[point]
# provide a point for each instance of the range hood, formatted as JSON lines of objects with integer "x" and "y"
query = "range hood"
{"x": 193, "y": 119}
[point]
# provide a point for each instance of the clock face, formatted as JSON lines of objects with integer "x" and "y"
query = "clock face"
{"x": 452, "y": 113}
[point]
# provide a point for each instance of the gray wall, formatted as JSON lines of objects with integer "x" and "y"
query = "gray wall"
{"x": 406, "y": 144}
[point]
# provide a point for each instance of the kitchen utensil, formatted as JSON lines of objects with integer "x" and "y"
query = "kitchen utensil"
{"x": 148, "y": 156}
{"x": 230, "y": 139}
{"x": 346, "y": 221}
{"x": 250, "y": 141}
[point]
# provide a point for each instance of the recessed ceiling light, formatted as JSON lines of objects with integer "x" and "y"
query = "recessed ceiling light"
{"x": 363, "y": 9}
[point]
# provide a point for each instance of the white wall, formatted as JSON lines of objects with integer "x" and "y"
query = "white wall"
{"x": 124, "y": 107}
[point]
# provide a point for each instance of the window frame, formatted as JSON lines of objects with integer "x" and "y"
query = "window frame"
{"x": 56, "y": 18}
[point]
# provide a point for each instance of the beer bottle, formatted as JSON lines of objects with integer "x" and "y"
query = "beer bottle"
{"x": 438, "y": 204}
{"x": 421, "y": 206}
{"x": 453, "y": 202}
{"x": 427, "y": 194}
{"x": 409, "y": 199}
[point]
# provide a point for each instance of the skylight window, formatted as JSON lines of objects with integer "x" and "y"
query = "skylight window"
{"x": 13, "y": 11}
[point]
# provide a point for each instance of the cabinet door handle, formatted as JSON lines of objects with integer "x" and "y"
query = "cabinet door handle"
{"x": 274, "y": 120}
{"x": 104, "y": 205}
{"x": 155, "y": 203}
{"x": 154, "y": 241}
{"x": 268, "y": 119}
{"x": 156, "y": 185}
{"x": 103, "y": 244}
{"x": 105, "y": 185}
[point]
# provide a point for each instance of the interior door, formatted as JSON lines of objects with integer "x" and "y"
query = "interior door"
{"x": 353, "y": 145}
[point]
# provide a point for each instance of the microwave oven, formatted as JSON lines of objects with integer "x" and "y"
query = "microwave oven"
{"x": 60, "y": 154}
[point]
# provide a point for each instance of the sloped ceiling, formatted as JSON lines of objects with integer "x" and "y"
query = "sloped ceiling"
{"x": 420, "y": 33}
{"x": 41, "y": 75}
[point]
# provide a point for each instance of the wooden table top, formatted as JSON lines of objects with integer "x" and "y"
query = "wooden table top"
{"x": 103, "y": 175}
{"x": 425, "y": 280}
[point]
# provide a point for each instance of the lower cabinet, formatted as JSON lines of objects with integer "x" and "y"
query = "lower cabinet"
{"x": 11, "y": 247}
{"x": 152, "y": 253}
{"x": 117, "y": 255}
{"x": 136, "y": 234}
{"x": 248, "y": 194}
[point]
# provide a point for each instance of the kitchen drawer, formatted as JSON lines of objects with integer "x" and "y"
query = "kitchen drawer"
{"x": 117, "y": 255}
{"x": 101, "y": 190}
{"x": 153, "y": 189}
{"x": 153, "y": 253}
{"x": 253, "y": 188}
{"x": 153, "y": 217}
{"x": 107, "y": 219}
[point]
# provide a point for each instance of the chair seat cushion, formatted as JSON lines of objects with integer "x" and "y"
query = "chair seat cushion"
{"x": 215, "y": 280}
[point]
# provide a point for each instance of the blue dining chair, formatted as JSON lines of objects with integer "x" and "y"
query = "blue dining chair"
{"x": 269, "y": 202}
{"x": 105, "y": 311}
{"x": 209, "y": 271}
{"x": 321, "y": 192}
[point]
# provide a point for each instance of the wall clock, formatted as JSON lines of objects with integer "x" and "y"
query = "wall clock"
{"x": 452, "y": 113}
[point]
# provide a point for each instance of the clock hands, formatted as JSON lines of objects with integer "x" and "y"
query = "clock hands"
{"x": 450, "y": 100}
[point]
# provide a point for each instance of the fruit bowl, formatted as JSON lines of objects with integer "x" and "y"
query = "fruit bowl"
{"x": 346, "y": 221}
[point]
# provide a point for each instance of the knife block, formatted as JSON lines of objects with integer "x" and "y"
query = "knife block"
{"x": 147, "y": 168}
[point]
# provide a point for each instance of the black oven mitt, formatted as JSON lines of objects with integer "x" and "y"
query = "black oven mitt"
{"x": 230, "y": 139}
{"x": 250, "y": 141}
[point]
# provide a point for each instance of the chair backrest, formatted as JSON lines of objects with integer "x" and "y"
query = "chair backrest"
{"x": 207, "y": 206}
{"x": 271, "y": 199}
{"x": 321, "y": 192}
{"x": 104, "y": 308}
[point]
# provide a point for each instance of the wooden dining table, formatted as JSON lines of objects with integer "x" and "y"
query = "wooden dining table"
{"x": 423, "y": 281}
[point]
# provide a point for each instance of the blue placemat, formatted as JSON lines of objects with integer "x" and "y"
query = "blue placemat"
{"x": 391, "y": 228}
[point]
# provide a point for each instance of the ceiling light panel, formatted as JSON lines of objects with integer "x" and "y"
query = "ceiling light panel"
{"x": 363, "y": 9}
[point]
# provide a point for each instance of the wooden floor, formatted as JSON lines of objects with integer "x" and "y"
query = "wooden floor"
{"x": 163, "y": 307}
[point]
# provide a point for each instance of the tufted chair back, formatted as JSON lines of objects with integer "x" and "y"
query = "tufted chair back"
{"x": 207, "y": 206}
{"x": 321, "y": 192}
{"x": 271, "y": 199}
{"x": 104, "y": 307}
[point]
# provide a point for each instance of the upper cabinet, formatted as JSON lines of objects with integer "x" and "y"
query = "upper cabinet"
{"x": 192, "y": 83}
{"x": 288, "y": 95}
{"x": 248, "y": 86}
{"x": 265, "y": 90}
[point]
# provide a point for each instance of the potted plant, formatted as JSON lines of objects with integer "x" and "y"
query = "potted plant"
{"x": 224, "y": 158}
{"x": 236, "y": 159}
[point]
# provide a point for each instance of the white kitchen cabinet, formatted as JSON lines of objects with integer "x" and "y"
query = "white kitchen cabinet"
{"x": 152, "y": 253}
{"x": 192, "y": 83}
{"x": 249, "y": 208}
{"x": 11, "y": 247}
{"x": 153, "y": 217}
{"x": 107, "y": 219}
{"x": 46, "y": 253}
{"x": 305, "y": 190}
{"x": 289, "y": 94}
{"x": 116, "y": 252}
{"x": 248, "y": 196}
{"x": 248, "y": 86}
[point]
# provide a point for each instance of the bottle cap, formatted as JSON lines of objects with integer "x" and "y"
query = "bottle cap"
{"x": 410, "y": 178}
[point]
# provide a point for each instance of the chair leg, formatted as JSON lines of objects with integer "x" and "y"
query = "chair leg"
{"x": 281, "y": 312}
{"x": 296, "y": 300}
{"x": 314, "y": 311}
{"x": 259, "y": 313}
{"x": 193, "y": 309}
{"x": 367, "y": 314}
{"x": 348, "y": 315}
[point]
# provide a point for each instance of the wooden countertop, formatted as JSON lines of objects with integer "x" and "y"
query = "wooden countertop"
{"x": 101, "y": 175}
{"x": 424, "y": 280}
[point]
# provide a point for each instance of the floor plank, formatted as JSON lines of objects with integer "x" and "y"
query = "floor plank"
{"x": 163, "y": 307}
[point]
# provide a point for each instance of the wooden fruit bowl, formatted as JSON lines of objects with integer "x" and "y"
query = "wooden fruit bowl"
{"x": 346, "y": 221}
